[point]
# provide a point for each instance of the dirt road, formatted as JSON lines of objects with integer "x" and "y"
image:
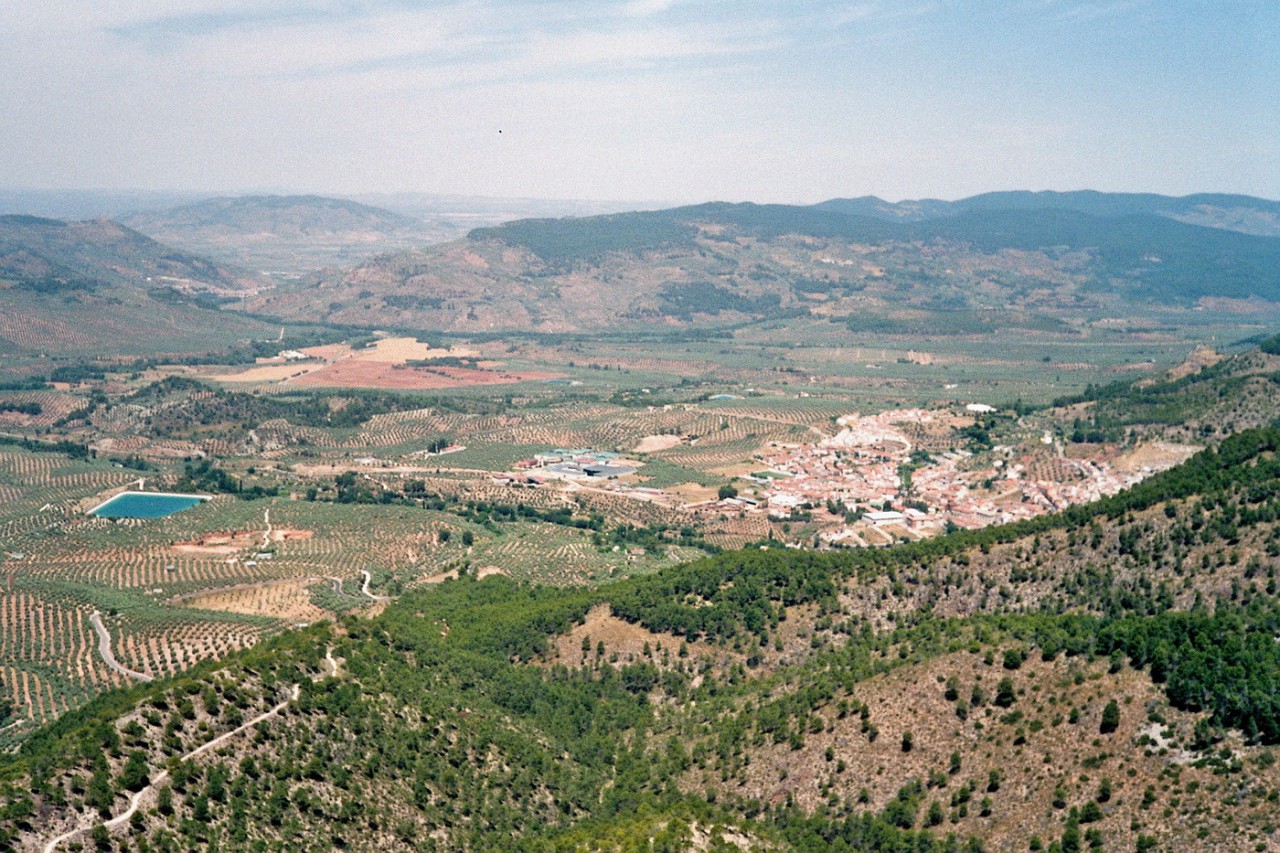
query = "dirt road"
{"x": 104, "y": 649}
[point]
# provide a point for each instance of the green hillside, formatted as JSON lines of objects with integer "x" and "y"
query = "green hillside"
{"x": 1140, "y": 256}
{"x": 48, "y": 255}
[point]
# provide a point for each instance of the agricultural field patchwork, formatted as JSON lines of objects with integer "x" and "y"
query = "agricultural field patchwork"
{"x": 330, "y": 501}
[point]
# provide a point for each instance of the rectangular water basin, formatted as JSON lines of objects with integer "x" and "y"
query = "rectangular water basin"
{"x": 146, "y": 505}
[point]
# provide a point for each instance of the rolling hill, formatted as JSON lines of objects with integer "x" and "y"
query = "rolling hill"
{"x": 286, "y": 234}
{"x": 720, "y": 265}
{"x": 99, "y": 287}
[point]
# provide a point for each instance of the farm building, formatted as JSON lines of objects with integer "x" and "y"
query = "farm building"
{"x": 882, "y": 517}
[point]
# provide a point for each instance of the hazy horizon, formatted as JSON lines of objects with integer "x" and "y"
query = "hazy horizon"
{"x": 647, "y": 101}
{"x": 185, "y": 196}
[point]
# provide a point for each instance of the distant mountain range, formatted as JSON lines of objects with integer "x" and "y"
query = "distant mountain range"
{"x": 288, "y": 235}
{"x": 291, "y": 234}
{"x": 1037, "y": 260}
{"x": 721, "y": 264}
{"x": 1242, "y": 213}
{"x": 278, "y": 216}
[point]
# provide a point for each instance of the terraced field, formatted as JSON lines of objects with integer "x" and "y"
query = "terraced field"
{"x": 48, "y": 656}
{"x": 167, "y": 644}
{"x": 60, "y": 566}
{"x": 39, "y": 488}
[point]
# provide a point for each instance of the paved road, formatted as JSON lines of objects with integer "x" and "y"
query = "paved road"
{"x": 365, "y": 588}
{"x": 104, "y": 649}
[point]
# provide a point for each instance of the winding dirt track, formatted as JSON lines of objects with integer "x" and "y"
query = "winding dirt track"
{"x": 104, "y": 649}
{"x": 136, "y": 800}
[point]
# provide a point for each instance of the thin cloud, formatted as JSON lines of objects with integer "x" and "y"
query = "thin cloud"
{"x": 636, "y": 98}
{"x": 1084, "y": 13}
{"x": 644, "y": 8}
{"x": 477, "y": 47}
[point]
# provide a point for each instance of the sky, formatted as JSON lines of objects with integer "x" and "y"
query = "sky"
{"x": 673, "y": 100}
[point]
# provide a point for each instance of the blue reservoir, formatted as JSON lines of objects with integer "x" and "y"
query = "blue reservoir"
{"x": 145, "y": 505}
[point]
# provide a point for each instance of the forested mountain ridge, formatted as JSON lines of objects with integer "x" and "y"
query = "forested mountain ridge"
{"x": 717, "y": 265}
{"x": 1103, "y": 677}
{"x": 1195, "y": 403}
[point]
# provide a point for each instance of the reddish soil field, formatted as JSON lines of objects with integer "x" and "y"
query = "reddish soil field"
{"x": 358, "y": 373}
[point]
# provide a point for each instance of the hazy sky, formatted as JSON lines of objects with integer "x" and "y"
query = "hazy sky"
{"x": 648, "y": 99}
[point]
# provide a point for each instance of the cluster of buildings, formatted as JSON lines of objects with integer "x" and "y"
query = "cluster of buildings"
{"x": 889, "y": 489}
{"x": 580, "y": 463}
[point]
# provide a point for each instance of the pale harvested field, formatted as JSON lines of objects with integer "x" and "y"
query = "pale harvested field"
{"x": 626, "y": 640}
{"x": 326, "y": 352}
{"x": 1158, "y": 455}
{"x": 400, "y": 350}
{"x": 481, "y": 573}
{"x": 654, "y": 443}
{"x": 387, "y": 351}
{"x": 219, "y": 543}
{"x": 692, "y": 492}
{"x": 265, "y": 373}
{"x": 290, "y": 600}
{"x": 361, "y": 373}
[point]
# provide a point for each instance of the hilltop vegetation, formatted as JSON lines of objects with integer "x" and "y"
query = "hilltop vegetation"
{"x": 48, "y": 255}
{"x": 1232, "y": 394}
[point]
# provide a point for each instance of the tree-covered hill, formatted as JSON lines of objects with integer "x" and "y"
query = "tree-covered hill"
{"x": 281, "y": 215}
{"x": 1142, "y": 255}
{"x": 48, "y": 255}
{"x": 1236, "y": 393}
